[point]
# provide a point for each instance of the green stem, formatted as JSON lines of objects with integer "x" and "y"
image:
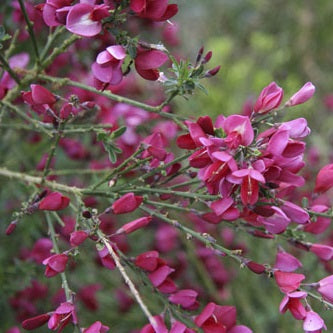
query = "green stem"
{"x": 114, "y": 97}
{"x": 118, "y": 168}
{"x": 38, "y": 180}
{"x": 6, "y": 66}
{"x": 38, "y": 125}
{"x": 69, "y": 129}
{"x": 208, "y": 240}
{"x": 143, "y": 189}
{"x": 31, "y": 30}
{"x": 51, "y": 38}
{"x": 52, "y": 152}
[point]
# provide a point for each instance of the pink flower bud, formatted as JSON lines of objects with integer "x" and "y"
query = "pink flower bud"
{"x": 326, "y": 288}
{"x": 324, "y": 180}
{"x": 11, "y": 227}
{"x": 41, "y": 95}
{"x": 255, "y": 267}
{"x": 78, "y": 237}
{"x": 213, "y": 71}
{"x": 35, "y": 322}
{"x": 269, "y": 99}
{"x": 134, "y": 225}
{"x": 54, "y": 201}
{"x": 127, "y": 203}
{"x": 302, "y": 95}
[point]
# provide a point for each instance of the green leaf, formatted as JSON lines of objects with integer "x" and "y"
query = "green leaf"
{"x": 117, "y": 133}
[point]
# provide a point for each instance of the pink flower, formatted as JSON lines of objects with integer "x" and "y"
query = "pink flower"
{"x": 250, "y": 179}
{"x": 55, "y": 264}
{"x": 276, "y": 223}
{"x": 324, "y": 252}
{"x": 106, "y": 259}
{"x": 224, "y": 209}
{"x": 288, "y": 282}
{"x": 326, "y": 288}
{"x": 178, "y": 327}
{"x": 127, "y": 203}
{"x": 239, "y": 131}
{"x": 134, "y": 225}
{"x": 54, "y": 201}
{"x": 303, "y": 95}
{"x": 147, "y": 62}
{"x": 313, "y": 322}
{"x": 148, "y": 260}
{"x": 155, "y": 10}
{"x": 186, "y": 298}
{"x": 156, "y": 326}
{"x": 286, "y": 262}
{"x": 84, "y": 19}
{"x": 78, "y": 237}
{"x": 291, "y": 302}
{"x": 159, "y": 276}
{"x": 107, "y": 67}
{"x": 64, "y": 313}
{"x": 324, "y": 180}
{"x": 96, "y": 327}
{"x": 217, "y": 318}
{"x": 269, "y": 99}
{"x": 295, "y": 213}
{"x": 53, "y": 13}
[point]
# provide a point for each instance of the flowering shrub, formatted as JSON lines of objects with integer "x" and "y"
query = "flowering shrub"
{"x": 135, "y": 188}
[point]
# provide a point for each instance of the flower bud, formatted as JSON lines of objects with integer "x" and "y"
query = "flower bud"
{"x": 303, "y": 95}
{"x": 269, "y": 99}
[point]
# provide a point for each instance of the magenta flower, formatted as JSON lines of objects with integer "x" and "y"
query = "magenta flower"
{"x": 239, "y": 131}
{"x": 78, "y": 237}
{"x": 159, "y": 276}
{"x": 147, "y": 62}
{"x": 249, "y": 179}
{"x": 107, "y": 67}
{"x": 64, "y": 314}
{"x": 55, "y": 264}
{"x": 303, "y": 95}
{"x": 292, "y": 302}
{"x": 269, "y": 99}
{"x": 186, "y": 298}
{"x": 178, "y": 327}
{"x": 288, "y": 282}
{"x": 35, "y": 322}
{"x": 127, "y": 203}
{"x": 106, "y": 259}
{"x": 84, "y": 19}
{"x": 324, "y": 180}
{"x": 313, "y": 322}
{"x": 276, "y": 223}
{"x": 155, "y": 10}
{"x": 134, "y": 225}
{"x": 155, "y": 325}
{"x": 285, "y": 262}
{"x": 148, "y": 260}
{"x": 326, "y": 288}
{"x": 324, "y": 252}
{"x": 96, "y": 327}
{"x": 54, "y": 13}
{"x": 54, "y": 201}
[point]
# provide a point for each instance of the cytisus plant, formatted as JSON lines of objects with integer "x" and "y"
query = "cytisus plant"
{"x": 114, "y": 202}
